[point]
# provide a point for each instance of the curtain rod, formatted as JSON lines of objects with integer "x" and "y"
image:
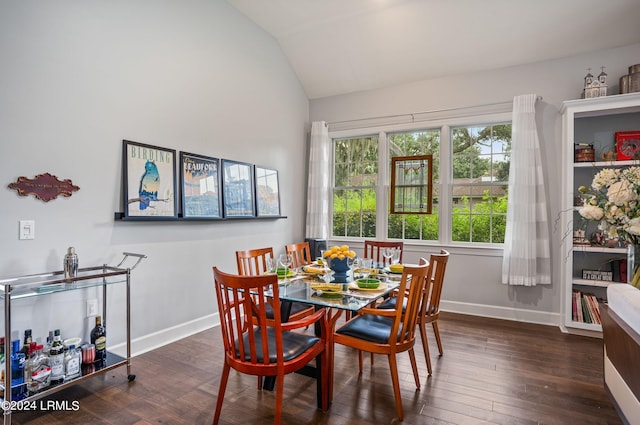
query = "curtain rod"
{"x": 413, "y": 114}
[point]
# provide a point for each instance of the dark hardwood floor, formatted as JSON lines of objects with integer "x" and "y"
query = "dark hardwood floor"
{"x": 492, "y": 372}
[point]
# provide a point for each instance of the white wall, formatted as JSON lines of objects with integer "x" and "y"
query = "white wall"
{"x": 473, "y": 280}
{"x": 196, "y": 76}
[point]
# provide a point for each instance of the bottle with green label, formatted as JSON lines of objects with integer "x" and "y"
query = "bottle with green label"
{"x": 99, "y": 339}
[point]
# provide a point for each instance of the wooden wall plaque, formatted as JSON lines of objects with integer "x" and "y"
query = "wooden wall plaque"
{"x": 44, "y": 187}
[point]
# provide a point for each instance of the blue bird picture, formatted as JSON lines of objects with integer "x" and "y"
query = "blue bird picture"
{"x": 149, "y": 185}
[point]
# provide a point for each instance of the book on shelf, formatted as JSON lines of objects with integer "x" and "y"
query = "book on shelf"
{"x": 584, "y": 308}
{"x": 619, "y": 270}
{"x": 586, "y": 314}
{"x": 595, "y": 308}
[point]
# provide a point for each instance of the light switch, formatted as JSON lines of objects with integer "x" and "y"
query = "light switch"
{"x": 27, "y": 229}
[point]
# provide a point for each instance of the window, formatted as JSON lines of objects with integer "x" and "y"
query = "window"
{"x": 354, "y": 189}
{"x": 480, "y": 169}
{"x": 470, "y": 181}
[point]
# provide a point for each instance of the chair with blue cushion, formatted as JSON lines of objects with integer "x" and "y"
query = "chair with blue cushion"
{"x": 430, "y": 308}
{"x": 389, "y": 331}
{"x": 256, "y": 345}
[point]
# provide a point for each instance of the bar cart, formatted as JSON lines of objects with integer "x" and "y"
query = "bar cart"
{"x": 39, "y": 285}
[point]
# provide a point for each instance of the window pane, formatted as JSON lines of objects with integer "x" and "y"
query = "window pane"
{"x": 416, "y": 226}
{"x": 354, "y": 196}
{"x": 460, "y": 228}
{"x": 480, "y": 169}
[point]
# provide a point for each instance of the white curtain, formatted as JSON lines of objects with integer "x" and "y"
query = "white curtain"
{"x": 526, "y": 244}
{"x": 318, "y": 188}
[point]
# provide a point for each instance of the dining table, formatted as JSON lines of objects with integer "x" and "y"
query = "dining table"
{"x": 311, "y": 288}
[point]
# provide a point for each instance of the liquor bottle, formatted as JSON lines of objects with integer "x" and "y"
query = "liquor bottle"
{"x": 38, "y": 366}
{"x": 30, "y": 353}
{"x": 47, "y": 345}
{"x": 99, "y": 339}
{"x": 72, "y": 360}
{"x": 18, "y": 391}
{"x": 56, "y": 359}
{"x": 26, "y": 344}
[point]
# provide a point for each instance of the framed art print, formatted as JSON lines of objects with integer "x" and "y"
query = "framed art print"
{"x": 267, "y": 192}
{"x": 149, "y": 180}
{"x": 200, "y": 184}
{"x": 237, "y": 186}
{"x": 411, "y": 184}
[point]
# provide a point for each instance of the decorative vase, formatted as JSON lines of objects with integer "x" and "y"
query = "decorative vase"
{"x": 340, "y": 269}
{"x": 633, "y": 265}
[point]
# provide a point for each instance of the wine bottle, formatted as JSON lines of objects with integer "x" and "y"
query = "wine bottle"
{"x": 56, "y": 359}
{"x": 99, "y": 339}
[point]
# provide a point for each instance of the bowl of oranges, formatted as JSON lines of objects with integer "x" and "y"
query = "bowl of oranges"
{"x": 337, "y": 257}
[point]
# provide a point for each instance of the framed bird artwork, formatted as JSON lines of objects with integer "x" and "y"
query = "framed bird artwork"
{"x": 149, "y": 180}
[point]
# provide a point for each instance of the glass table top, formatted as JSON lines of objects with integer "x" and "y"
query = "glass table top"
{"x": 307, "y": 289}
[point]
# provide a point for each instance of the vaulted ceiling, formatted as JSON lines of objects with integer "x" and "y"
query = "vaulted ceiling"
{"x": 343, "y": 46}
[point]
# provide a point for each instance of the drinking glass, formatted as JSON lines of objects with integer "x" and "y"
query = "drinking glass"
{"x": 272, "y": 265}
{"x": 285, "y": 261}
{"x": 351, "y": 261}
{"x": 387, "y": 253}
{"x": 365, "y": 267}
{"x": 395, "y": 257}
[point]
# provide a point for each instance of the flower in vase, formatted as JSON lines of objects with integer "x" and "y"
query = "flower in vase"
{"x": 613, "y": 199}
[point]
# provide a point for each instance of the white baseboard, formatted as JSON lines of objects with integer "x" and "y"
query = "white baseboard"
{"x": 158, "y": 339}
{"x": 166, "y": 336}
{"x": 506, "y": 313}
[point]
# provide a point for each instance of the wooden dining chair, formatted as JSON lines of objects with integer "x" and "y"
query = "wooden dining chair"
{"x": 430, "y": 310}
{"x": 430, "y": 306}
{"x": 300, "y": 253}
{"x": 373, "y": 249}
{"x": 257, "y": 345}
{"x": 253, "y": 262}
{"x": 387, "y": 331}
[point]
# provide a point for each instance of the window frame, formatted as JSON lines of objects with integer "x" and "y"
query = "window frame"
{"x": 444, "y": 123}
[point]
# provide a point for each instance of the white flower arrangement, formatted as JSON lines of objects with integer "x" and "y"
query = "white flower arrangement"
{"x": 614, "y": 200}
